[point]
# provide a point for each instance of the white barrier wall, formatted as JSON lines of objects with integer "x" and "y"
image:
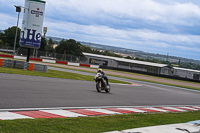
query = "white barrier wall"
{"x": 20, "y": 57}
{"x": 54, "y": 61}
{"x": 48, "y": 61}
{"x": 73, "y": 64}
{"x": 94, "y": 66}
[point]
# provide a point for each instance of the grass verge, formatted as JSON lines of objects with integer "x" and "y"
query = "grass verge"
{"x": 95, "y": 124}
{"x": 88, "y": 124}
{"x": 54, "y": 74}
{"x": 156, "y": 82}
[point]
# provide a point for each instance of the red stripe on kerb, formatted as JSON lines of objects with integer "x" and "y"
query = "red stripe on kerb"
{"x": 195, "y": 108}
{"x": 184, "y": 109}
{"x": 38, "y": 114}
{"x": 123, "y": 111}
{"x": 85, "y": 112}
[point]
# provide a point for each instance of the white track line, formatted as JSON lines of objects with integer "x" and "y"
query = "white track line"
{"x": 126, "y": 84}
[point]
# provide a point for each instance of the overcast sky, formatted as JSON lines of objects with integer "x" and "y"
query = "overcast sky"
{"x": 156, "y": 26}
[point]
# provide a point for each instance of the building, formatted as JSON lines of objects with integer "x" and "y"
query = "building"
{"x": 141, "y": 66}
{"x": 108, "y": 61}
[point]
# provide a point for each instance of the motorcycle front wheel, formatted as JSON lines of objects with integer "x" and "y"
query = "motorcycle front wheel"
{"x": 98, "y": 87}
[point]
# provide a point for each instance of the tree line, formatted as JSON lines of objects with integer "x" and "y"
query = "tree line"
{"x": 72, "y": 47}
{"x": 68, "y": 47}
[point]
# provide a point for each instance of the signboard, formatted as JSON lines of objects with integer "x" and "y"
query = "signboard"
{"x": 45, "y": 30}
{"x": 32, "y": 24}
{"x": 98, "y": 62}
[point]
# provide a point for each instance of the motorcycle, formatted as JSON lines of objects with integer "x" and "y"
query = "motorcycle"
{"x": 101, "y": 83}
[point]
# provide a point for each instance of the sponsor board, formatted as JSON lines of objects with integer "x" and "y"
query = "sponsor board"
{"x": 32, "y": 24}
{"x": 98, "y": 62}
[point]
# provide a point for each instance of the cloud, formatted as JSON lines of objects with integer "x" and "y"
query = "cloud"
{"x": 8, "y": 21}
{"x": 193, "y": 49}
{"x": 147, "y": 10}
{"x": 103, "y": 32}
{"x": 163, "y": 26}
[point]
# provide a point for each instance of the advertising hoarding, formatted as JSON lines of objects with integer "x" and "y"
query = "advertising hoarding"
{"x": 32, "y": 24}
{"x": 98, "y": 62}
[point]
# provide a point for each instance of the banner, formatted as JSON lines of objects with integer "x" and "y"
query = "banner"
{"x": 32, "y": 24}
{"x": 98, "y": 62}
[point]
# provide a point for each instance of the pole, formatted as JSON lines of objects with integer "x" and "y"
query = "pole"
{"x": 36, "y": 53}
{"x": 15, "y": 38}
{"x": 28, "y": 55}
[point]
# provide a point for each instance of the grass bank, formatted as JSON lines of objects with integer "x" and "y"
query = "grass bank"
{"x": 54, "y": 74}
{"x": 95, "y": 124}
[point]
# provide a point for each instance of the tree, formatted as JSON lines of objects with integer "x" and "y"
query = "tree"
{"x": 61, "y": 47}
{"x": 71, "y": 47}
{"x": 86, "y": 49}
{"x": 1, "y": 43}
{"x": 8, "y": 37}
{"x": 43, "y": 44}
{"x": 107, "y": 53}
{"x": 128, "y": 57}
{"x": 1, "y": 39}
{"x": 49, "y": 46}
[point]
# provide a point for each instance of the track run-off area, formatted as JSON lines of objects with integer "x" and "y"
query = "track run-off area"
{"x": 24, "y": 96}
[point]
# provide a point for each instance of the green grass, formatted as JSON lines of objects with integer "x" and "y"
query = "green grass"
{"x": 54, "y": 74}
{"x": 150, "y": 81}
{"x": 88, "y": 124}
{"x": 94, "y": 124}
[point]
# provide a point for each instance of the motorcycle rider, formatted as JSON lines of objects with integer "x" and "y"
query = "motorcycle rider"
{"x": 104, "y": 75}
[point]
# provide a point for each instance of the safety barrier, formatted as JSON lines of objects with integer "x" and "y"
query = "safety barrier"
{"x": 23, "y": 65}
{"x": 52, "y": 61}
{"x": 6, "y": 56}
{"x": 39, "y": 67}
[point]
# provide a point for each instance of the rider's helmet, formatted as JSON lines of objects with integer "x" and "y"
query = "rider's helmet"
{"x": 99, "y": 70}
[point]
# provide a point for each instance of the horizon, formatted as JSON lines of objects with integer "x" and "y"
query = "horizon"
{"x": 119, "y": 47}
{"x": 152, "y": 26}
{"x": 125, "y": 48}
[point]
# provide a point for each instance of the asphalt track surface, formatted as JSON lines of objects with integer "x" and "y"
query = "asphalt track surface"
{"x": 22, "y": 91}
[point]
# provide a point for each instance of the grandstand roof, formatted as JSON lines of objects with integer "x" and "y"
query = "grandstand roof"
{"x": 127, "y": 60}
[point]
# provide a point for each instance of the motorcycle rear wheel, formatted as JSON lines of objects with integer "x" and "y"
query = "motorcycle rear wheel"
{"x": 108, "y": 90}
